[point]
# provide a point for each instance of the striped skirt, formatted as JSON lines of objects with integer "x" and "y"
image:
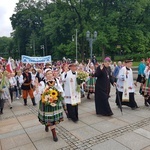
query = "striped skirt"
{"x": 90, "y": 85}
{"x": 49, "y": 115}
{"x": 146, "y": 88}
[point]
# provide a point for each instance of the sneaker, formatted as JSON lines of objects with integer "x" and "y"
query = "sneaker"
{"x": 17, "y": 97}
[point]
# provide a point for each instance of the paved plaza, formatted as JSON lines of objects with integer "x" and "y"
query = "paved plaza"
{"x": 21, "y": 130}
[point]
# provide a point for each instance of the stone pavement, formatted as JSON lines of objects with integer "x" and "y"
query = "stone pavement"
{"x": 20, "y": 129}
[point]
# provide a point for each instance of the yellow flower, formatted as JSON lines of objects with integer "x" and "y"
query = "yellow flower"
{"x": 51, "y": 96}
{"x": 54, "y": 93}
{"x": 43, "y": 98}
{"x": 55, "y": 98}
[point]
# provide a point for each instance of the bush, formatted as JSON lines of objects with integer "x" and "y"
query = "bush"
{"x": 135, "y": 57}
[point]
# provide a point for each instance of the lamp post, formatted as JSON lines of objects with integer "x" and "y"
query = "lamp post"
{"x": 91, "y": 38}
{"x": 76, "y": 43}
{"x": 42, "y": 47}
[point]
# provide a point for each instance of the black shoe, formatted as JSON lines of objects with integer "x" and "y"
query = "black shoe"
{"x": 10, "y": 107}
{"x": 133, "y": 108}
{"x": 55, "y": 139}
{"x": 75, "y": 120}
{"x": 108, "y": 114}
{"x": 46, "y": 129}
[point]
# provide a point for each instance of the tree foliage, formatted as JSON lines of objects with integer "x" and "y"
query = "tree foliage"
{"x": 119, "y": 23}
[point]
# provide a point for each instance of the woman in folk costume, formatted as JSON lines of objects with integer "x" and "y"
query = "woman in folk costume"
{"x": 72, "y": 96}
{"x": 6, "y": 94}
{"x": 4, "y": 91}
{"x": 90, "y": 83}
{"x": 146, "y": 85}
{"x": 2, "y": 86}
{"x": 50, "y": 106}
{"x": 82, "y": 69}
{"x": 102, "y": 88}
{"x": 125, "y": 86}
{"x": 12, "y": 85}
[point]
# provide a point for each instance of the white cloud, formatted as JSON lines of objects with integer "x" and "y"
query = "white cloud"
{"x": 6, "y": 10}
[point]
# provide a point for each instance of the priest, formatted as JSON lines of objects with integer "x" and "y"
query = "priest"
{"x": 72, "y": 96}
{"x": 102, "y": 88}
{"x": 125, "y": 86}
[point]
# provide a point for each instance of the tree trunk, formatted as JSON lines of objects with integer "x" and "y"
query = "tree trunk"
{"x": 103, "y": 53}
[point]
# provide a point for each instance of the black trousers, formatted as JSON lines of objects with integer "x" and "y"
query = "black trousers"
{"x": 11, "y": 90}
{"x": 132, "y": 103}
{"x": 72, "y": 112}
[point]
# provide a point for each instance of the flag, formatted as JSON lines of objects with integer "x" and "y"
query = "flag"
{"x": 8, "y": 66}
{"x": 18, "y": 65}
{"x": 2, "y": 59}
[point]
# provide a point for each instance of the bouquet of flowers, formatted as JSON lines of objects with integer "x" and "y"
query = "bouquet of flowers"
{"x": 51, "y": 96}
{"x": 81, "y": 77}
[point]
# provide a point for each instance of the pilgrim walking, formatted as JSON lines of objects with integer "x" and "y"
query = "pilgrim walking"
{"x": 125, "y": 86}
{"x": 102, "y": 88}
{"x": 72, "y": 96}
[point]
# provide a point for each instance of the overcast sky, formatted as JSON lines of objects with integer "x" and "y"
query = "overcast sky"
{"x": 6, "y": 10}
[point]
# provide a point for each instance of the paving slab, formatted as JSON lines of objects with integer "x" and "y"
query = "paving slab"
{"x": 10, "y": 128}
{"x": 6, "y": 122}
{"x": 108, "y": 125}
{"x": 128, "y": 131}
{"x": 109, "y": 145}
{"x": 30, "y": 123}
{"x": 90, "y": 119}
{"x": 146, "y": 148}
{"x": 130, "y": 118}
{"x": 48, "y": 143}
{"x": 15, "y": 141}
{"x": 27, "y": 117}
{"x": 133, "y": 141}
{"x": 70, "y": 125}
{"x": 143, "y": 132}
{"x": 37, "y": 134}
{"x": 29, "y": 146}
{"x": 12, "y": 133}
{"x": 85, "y": 132}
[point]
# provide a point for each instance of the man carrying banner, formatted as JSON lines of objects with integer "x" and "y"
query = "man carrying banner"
{"x": 27, "y": 87}
{"x": 125, "y": 86}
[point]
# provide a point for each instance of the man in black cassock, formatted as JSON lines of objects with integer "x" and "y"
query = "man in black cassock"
{"x": 102, "y": 88}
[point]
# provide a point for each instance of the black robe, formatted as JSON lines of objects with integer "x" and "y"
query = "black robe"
{"x": 102, "y": 90}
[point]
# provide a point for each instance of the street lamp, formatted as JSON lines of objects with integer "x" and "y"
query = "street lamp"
{"x": 91, "y": 38}
{"x": 42, "y": 47}
{"x": 76, "y": 43}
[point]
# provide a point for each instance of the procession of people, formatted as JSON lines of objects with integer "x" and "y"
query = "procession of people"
{"x": 60, "y": 86}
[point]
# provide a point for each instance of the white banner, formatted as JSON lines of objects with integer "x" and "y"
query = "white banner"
{"x": 28, "y": 59}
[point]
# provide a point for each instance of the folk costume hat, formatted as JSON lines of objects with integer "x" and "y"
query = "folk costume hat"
{"x": 128, "y": 60}
{"x": 72, "y": 64}
{"x": 46, "y": 70}
{"x": 47, "y": 64}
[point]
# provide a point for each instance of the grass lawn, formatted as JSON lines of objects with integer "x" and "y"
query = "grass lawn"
{"x": 136, "y": 63}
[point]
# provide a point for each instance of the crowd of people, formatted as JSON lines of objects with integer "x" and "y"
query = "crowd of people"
{"x": 54, "y": 87}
